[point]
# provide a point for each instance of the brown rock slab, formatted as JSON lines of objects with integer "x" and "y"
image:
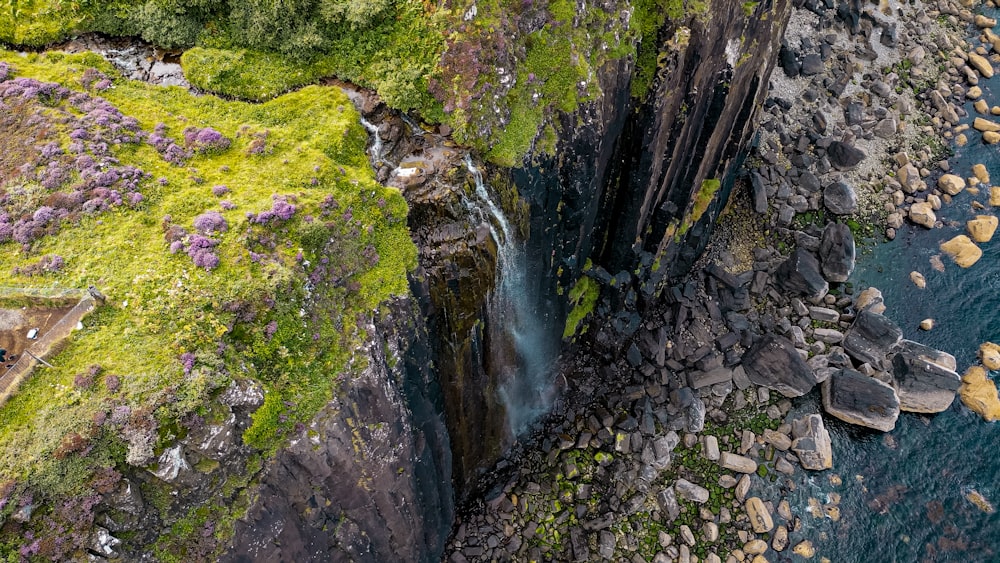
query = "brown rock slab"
{"x": 981, "y": 124}
{"x": 981, "y": 228}
{"x": 962, "y": 250}
{"x": 922, "y": 213}
{"x": 989, "y": 353}
{"x": 760, "y": 516}
{"x": 991, "y": 137}
{"x": 981, "y": 63}
{"x": 981, "y": 173}
{"x": 952, "y": 184}
{"x": 979, "y": 393}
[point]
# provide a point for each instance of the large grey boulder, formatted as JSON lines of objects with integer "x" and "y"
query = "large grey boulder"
{"x": 774, "y": 363}
{"x": 840, "y": 199}
{"x": 871, "y": 338}
{"x": 812, "y": 442}
{"x": 844, "y": 156}
{"x": 836, "y": 252}
{"x": 800, "y": 275}
{"x": 924, "y": 378}
{"x": 858, "y": 399}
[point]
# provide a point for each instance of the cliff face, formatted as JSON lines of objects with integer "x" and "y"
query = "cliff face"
{"x": 371, "y": 475}
{"x": 634, "y": 188}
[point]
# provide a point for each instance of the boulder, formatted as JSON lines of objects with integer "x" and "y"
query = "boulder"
{"x": 984, "y": 125}
{"x": 981, "y": 63}
{"x": 774, "y": 363}
{"x": 800, "y": 275}
{"x": 989, "y": 353}
{"x": 922, "y": 213}
{"x": 737, "y": 463}
{"x": 667, "y": 501}
{"x": 991, "y": 137}
{"x": 780, "y": 441}
{"x": 689, "y": 491}
{"x": 918, "y": 279}
{"x": 962, "y": 250}
{"x": 924, "y": 378}
{"x": 858, "y": 399}
{"x": 870, "y": 298}
{"x": 979, "y": 393}
{"x": 909, "y": 178}
{"x": 981, "y": 173}
{"x": 981, "y": 228}
{"x": 844, "y": 156}
{"x": 871, "y": 338}
{"x": 951, "y": 184}
{"x": 836, "y": 252}
{"x": 812, "y": 442}
{"x": 995, "y": 196}
{"x": 840, "y": 198}
{"x": 760, "y": 516}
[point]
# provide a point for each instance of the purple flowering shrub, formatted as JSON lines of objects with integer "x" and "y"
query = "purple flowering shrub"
{"x": 211, "y": 222}
{"x": 220, "y": 190}
{"x": 205, "y": 140}
{"x": 5, "y": 71}
{"x": 281, "y": 210}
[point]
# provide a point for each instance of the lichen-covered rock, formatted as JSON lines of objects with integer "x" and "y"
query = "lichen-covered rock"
{"x": 759, "y": 515}
{"x": 812, "y": 442}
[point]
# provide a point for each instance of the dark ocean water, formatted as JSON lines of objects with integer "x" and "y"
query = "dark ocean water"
{"x": 903, "y": 494}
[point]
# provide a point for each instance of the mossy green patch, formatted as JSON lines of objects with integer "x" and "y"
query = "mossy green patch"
{"x": 583, "y": 296}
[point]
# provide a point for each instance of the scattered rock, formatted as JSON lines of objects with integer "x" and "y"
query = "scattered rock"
{"x": 858, "y": 399}
{"x": 689, "y": 491}
{"x": 989, "y": 353}
{"x": 870, "y": 299}
{"x": 981, "y": 173}
{"x": 976, "y": 498}
{"x": 812, "y": 442}
{"x": 737, "y": 463}
{"x": 836, "y": 252}
{"x": 985, "y": 125}
{"x": 805, "y": 549}
{"x": 667, "y": 501}
{"x": 800, "y": 275}
{"x": 951, "y": 184}
{"x": 840, "y": 199}
{"x": 918, "y": 279}
{"x": 981, "y": 228}
{"x": 979, "y": 393}
{"x": 760, "y": 517}
{"x": 962, "y": 250}
{"x": 845, "y": 156}
{"x": 871, "y": 337}
{"x": 924, "y": 378}
{"x": 774, "y": 363}
{"x": 981, "y": 63}
{"x": 780, "y": 541}
{"x": 922, "y": 213}
{"x": 780, "y": 441}
{"x": 926, "y": 324}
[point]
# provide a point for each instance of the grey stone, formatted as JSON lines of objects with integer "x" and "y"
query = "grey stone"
{"x": 759, "y": 193}
{"x": 812, "y": 442}
{"x": 800, "y": 275}
{"x": 774, "y": 363}
{"x": 737, "y": 463}
{"x": 606, "y": 544}
{"x": 699, "y": 379}
{"x": 828, "y": 335}
{"x": 844, "y": 156}
{"x": 840, "y": 199}
{"x": 578, "y": 542}
{"x": 871, "y": 337}
{"x": 923, "y": 379}
{"x": 667, "y": 501}
{"x": 689, "y": 491}
{"x": 858, "y": 399}
{"x": 836, "y": 253}
{"x": 811, "y": 64}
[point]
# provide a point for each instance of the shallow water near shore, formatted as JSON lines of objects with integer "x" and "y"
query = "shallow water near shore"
{"x": 903, "y": 495}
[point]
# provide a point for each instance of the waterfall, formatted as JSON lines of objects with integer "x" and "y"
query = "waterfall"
{"x": 376, "y": 148}
{"x": 520, "y": 349}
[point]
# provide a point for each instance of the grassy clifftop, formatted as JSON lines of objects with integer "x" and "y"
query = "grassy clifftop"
{"x": 232, "y": 240}
{"x": 495, "y": 71}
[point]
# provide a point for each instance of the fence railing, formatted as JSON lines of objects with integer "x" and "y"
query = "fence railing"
{"x": 47, "y": 344}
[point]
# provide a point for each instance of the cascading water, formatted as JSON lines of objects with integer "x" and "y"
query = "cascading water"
{"x": 519, "y": 345}
{"x": 376, "y": 148}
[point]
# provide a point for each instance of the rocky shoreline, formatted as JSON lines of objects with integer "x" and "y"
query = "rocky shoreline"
{"x": 676, "y": 419}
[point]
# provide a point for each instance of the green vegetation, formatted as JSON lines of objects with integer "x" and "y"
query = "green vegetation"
{"x": 281, "y": 306}
{"x": 582, "y": 297}
{"x": 700, "y": 204}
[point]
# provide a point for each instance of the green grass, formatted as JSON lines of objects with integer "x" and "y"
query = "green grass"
{"x": 160, "y": 305}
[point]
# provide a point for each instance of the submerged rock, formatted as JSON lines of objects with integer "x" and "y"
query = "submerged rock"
{"x": 924, "y": 378}
{"x": 979, "y": 393}
{"x": 981, "y": 228}
{"x": 989, "y": 353}
{"x": 774, "y": 363}
{"x": 836, "y": 252}
{"x": 858, "y": 399}
{"x": 760, "y": 516}
{"x": 870, "y": 299}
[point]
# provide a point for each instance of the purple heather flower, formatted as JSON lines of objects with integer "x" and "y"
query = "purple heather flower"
{"x": 270, "y": 329}
{"x": 227, "y": 205}
{"x": 211, "y": 222}
{"x": 176, "y": 246}
{"x": 5, "y": 71}
{"x": 102, "y": 85}
{"x": 187, "y": 360}
{"x": 219, "y": 190}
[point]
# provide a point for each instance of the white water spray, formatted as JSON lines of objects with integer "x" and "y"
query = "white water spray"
{"x": 519, "y": 345}
{"x": 376, "y": 148}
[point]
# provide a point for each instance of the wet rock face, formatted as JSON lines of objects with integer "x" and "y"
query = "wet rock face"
{"x": 370, "y": 476}
{"x": 924, "y": 378}
{"x": 858, "y": 399}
